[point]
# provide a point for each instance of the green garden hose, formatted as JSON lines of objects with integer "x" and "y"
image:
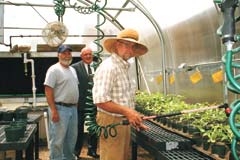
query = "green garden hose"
{"x": 231, "y": 67}
{"x": 90, "y": 109}
{"x": 59, "y": 8}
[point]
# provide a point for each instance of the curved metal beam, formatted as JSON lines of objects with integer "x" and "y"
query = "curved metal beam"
{"x": 116, "y": 23}
{"x": 139, "y": 6}
{"x": 161, "y": 39}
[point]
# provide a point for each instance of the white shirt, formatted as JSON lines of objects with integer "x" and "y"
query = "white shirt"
{"x": 86, "y": 67}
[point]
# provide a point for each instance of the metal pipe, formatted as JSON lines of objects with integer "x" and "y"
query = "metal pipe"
{"x": 160, "y": 36}
{"x": 50, "y": 5}
{"x": 22, "y": 28}
{"x": 109, "y": 17}
{"x": 25, "y": 61}
{"x": 118, "y": 13}
{"x": 46, "y": 127}
{"x": 83, "y": 35}
{"x": 137, "y": 72}
{"x": 21, "y": 36}
{"x": 145, "y": 81}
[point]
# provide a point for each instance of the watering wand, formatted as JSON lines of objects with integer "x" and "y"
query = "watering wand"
{"x": 112, "y": 131}
{"x": 225, "y": 106}
{"x": 228, "y": 29}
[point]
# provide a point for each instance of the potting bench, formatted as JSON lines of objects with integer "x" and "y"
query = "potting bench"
{"x": 26, "y": 143}
{"x": 32, "y": 118}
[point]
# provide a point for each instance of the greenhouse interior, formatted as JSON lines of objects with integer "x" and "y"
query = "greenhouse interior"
{"x": 185, "y": 87}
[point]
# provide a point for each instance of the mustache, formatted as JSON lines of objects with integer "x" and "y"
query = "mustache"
{"x": 66, "y": 61}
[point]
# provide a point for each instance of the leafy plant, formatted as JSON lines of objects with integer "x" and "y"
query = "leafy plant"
{"x": 212, "y": 123}
{"x": 219, "y": 133}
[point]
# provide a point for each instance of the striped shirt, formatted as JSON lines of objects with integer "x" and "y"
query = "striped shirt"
{"x": 111, "y": 83}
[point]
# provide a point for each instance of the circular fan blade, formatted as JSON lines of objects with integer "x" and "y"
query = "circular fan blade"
{"x": 55, "y": 33}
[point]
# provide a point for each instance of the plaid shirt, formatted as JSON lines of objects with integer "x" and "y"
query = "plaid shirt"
{"x": 111, "y": 83}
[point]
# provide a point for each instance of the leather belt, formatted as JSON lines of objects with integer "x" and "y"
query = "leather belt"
{"x": 65, "y": 104}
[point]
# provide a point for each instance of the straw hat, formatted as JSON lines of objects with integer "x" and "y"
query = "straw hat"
{"x": 129, "y": 35}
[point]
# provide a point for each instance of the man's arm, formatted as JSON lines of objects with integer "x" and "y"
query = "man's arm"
{"x": 50, "y": 99}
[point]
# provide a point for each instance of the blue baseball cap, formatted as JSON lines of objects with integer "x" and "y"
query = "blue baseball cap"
{"x": 63, "y": 48}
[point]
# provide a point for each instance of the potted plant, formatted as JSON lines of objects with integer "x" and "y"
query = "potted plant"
{"x": 220, "y": 135}
{"x": 212, "y": 125}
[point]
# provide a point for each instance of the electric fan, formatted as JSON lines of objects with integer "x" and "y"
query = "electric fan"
{"x": 55, "y": 33}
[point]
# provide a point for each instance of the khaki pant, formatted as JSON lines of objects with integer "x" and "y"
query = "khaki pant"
{"x": 114, "y": 148}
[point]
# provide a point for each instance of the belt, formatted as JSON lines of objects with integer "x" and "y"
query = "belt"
{"x": 65, "y": 104}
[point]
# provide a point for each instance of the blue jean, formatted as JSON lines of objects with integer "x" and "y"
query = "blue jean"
{"x": 63, "y": 134}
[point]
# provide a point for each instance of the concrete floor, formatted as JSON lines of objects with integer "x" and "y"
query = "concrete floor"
{"x": 44, "y": 153}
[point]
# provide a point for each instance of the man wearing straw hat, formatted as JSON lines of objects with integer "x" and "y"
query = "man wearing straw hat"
{"x": 113, "y": 95}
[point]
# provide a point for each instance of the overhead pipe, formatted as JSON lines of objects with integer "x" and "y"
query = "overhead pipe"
{"x": 118, "y": 13}
{"x": 110, "y": 18}
{"x": 107, "y": 15}
{"x": 22, "y": 36}
{"x": 48, "y": 5}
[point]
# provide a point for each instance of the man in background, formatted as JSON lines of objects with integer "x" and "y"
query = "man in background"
{"x": 85, "y": 72}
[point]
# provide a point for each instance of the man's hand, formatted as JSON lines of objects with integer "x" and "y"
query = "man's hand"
{"x": 135, "y": 120}
{"x": 55, "y": 116}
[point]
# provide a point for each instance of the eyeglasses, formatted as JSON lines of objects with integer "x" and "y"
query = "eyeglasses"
{"x": 130, "y": 45}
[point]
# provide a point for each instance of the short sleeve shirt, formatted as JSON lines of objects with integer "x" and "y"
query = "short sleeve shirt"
{"x": 64, "y": 83}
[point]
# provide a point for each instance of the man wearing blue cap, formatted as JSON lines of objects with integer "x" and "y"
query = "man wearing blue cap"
{"x": 61, "y": 91}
